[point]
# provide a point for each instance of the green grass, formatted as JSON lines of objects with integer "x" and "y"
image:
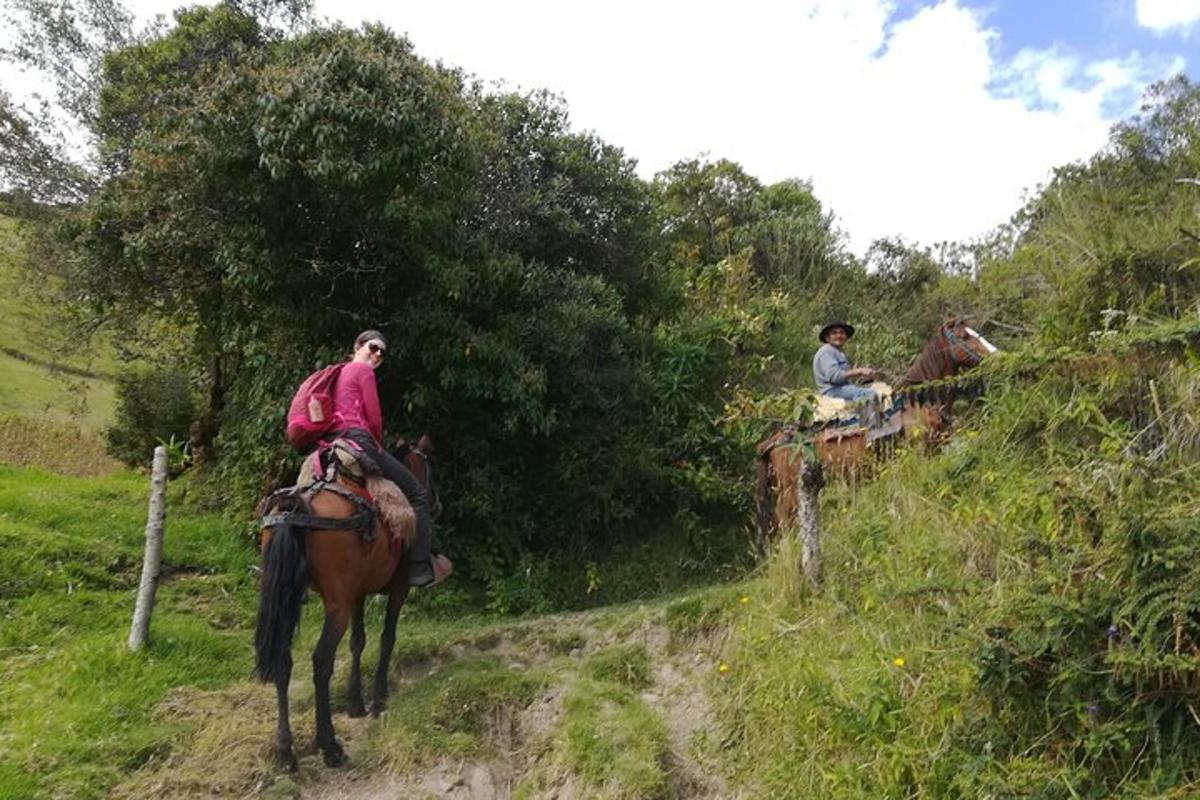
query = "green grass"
{"x": 958, "y": 646}
{"x": 28, "y": 326}
{"x": 458, "y": 710}
{"x": 77, "y": 710}
{"x": 613, "y": 742}
{"x": 700, "y": 613}
{"x": 627, "y": 664}
{"x": 40, "y": 393}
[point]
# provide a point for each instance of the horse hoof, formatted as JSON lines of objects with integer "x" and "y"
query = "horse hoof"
{"x": 358, "y": 710}
{"x": 334, "y": 756}
{"x": 378, "y": 707}
{"x": 286, "y": 760}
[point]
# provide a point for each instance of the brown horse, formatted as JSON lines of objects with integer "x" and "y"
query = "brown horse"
{"x": 326, "y": 536}
{"x": 846, "y": 452}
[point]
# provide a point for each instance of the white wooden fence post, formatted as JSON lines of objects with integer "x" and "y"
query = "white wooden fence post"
{"x": 152, "y": 560}
{"x": 808, "y": 522}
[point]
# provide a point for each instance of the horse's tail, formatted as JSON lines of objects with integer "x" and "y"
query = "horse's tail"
{"x": 284, "y": 581}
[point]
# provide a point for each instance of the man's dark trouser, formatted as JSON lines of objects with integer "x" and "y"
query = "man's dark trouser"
{"x": 399, "y": 474}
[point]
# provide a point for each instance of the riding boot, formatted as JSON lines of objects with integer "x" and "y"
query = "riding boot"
{"x": 420, "y": 565}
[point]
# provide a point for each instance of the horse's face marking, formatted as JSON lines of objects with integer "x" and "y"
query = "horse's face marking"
{"x": 987, "y": 346}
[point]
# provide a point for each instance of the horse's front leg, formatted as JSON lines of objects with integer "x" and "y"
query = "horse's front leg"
{"x": 284, "y": 755}
{"x": 358, "y": 640}
{"x": 387, "y": 640}
{"x": 331, "y": 635}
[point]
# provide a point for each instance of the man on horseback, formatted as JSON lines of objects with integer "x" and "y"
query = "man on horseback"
{"x": 358, "y": 418}
{"x": 831, "y": 366}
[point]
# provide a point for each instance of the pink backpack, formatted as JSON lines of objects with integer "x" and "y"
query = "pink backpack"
{"x": 310, "y": 415}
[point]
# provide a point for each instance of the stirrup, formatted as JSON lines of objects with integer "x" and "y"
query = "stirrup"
{"x": 440, "y": 568}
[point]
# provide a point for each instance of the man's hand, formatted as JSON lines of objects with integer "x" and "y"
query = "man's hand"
{"x": 864, "y": 373}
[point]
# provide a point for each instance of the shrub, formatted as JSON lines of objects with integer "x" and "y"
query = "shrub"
{"x": 154, "y": 405}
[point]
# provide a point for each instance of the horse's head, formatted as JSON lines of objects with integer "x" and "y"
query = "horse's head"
{"x": 418, "y": 457}
{"x": 955, "y": 347}
{"x": 964, "y": 344}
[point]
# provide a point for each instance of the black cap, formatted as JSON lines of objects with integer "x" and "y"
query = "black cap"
{"x": 837, "y": 323}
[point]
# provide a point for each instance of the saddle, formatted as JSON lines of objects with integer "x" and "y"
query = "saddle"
{"x": 835, "y": 409}
{"x": 342, "y": 462}
{"x": 837, "y": 419}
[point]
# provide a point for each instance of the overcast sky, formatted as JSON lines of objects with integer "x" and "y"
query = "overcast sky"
{"x": 917, "y": 118}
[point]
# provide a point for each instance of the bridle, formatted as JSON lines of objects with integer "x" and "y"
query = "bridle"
{"x": 957, "y": 345}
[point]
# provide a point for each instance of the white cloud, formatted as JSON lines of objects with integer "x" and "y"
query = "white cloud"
{"x": 1167, "y": 15}
{"x": 916, "y": 129}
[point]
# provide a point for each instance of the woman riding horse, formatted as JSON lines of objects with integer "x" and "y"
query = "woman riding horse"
{"x": 327, "y": 535}
{"x": 356, "y": 412}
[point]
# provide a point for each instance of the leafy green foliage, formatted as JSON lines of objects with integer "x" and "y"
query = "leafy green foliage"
{"x": 1013, "y": 614}
{"x": 154, "y": 406}
{"x": 1085, "y": 250}
{"x": 571, "y": 336}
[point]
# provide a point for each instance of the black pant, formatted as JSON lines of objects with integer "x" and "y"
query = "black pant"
{"x": 397, "y": 473}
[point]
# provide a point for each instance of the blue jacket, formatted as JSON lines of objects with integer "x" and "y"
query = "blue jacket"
{"x": 829, "y": 368}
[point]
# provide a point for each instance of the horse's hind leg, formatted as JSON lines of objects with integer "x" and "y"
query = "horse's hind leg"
{"x": 284, "y": 755}
{"x": 358, "y": 640}
{"x": 387, "y": 641}
{"x": 331, "y": 635}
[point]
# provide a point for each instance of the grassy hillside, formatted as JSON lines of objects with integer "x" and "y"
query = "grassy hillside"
{"x": 602, "y": 704}
{"x": 1015, "y": 616}
{"x": 43, "y": 375}
{"x": 76, "y": 709}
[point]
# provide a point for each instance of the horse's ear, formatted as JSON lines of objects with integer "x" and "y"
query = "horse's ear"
{"x": 425, "y": 444}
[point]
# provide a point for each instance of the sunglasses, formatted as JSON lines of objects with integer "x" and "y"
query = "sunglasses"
{"x": 377, "y": 349}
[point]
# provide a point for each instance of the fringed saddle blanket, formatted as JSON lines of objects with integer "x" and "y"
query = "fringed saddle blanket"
{"x": 835, "y": 409}
{"x": 339, "y": 462}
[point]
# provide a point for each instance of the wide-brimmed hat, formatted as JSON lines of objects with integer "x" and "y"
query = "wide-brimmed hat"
{"x": 837, "y": 323}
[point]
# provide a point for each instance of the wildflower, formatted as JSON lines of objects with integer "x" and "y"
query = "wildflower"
{"x": 723, "y": 668}
{"x": 898, "y": 661}
{"x": 743, "y": 599}
{"x": 1113, "y": 632}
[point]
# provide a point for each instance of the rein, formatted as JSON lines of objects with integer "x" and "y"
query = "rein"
{"x": 435, "y": 503}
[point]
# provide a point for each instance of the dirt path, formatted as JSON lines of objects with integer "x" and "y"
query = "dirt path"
{"x": 489, "y": 745}
{"x": 675, "y": 695}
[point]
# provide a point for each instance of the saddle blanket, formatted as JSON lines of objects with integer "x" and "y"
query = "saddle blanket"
{"x": 392, "y": 508}
{"x": 835, "y": 409}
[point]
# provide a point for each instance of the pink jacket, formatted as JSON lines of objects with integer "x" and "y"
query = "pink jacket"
{"x": 356, "y": 400}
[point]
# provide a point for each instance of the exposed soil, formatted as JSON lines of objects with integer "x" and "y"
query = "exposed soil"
{"x": 519, "y": 742}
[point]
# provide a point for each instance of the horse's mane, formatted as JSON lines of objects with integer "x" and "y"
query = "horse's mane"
{"x": 931, "y": 363}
